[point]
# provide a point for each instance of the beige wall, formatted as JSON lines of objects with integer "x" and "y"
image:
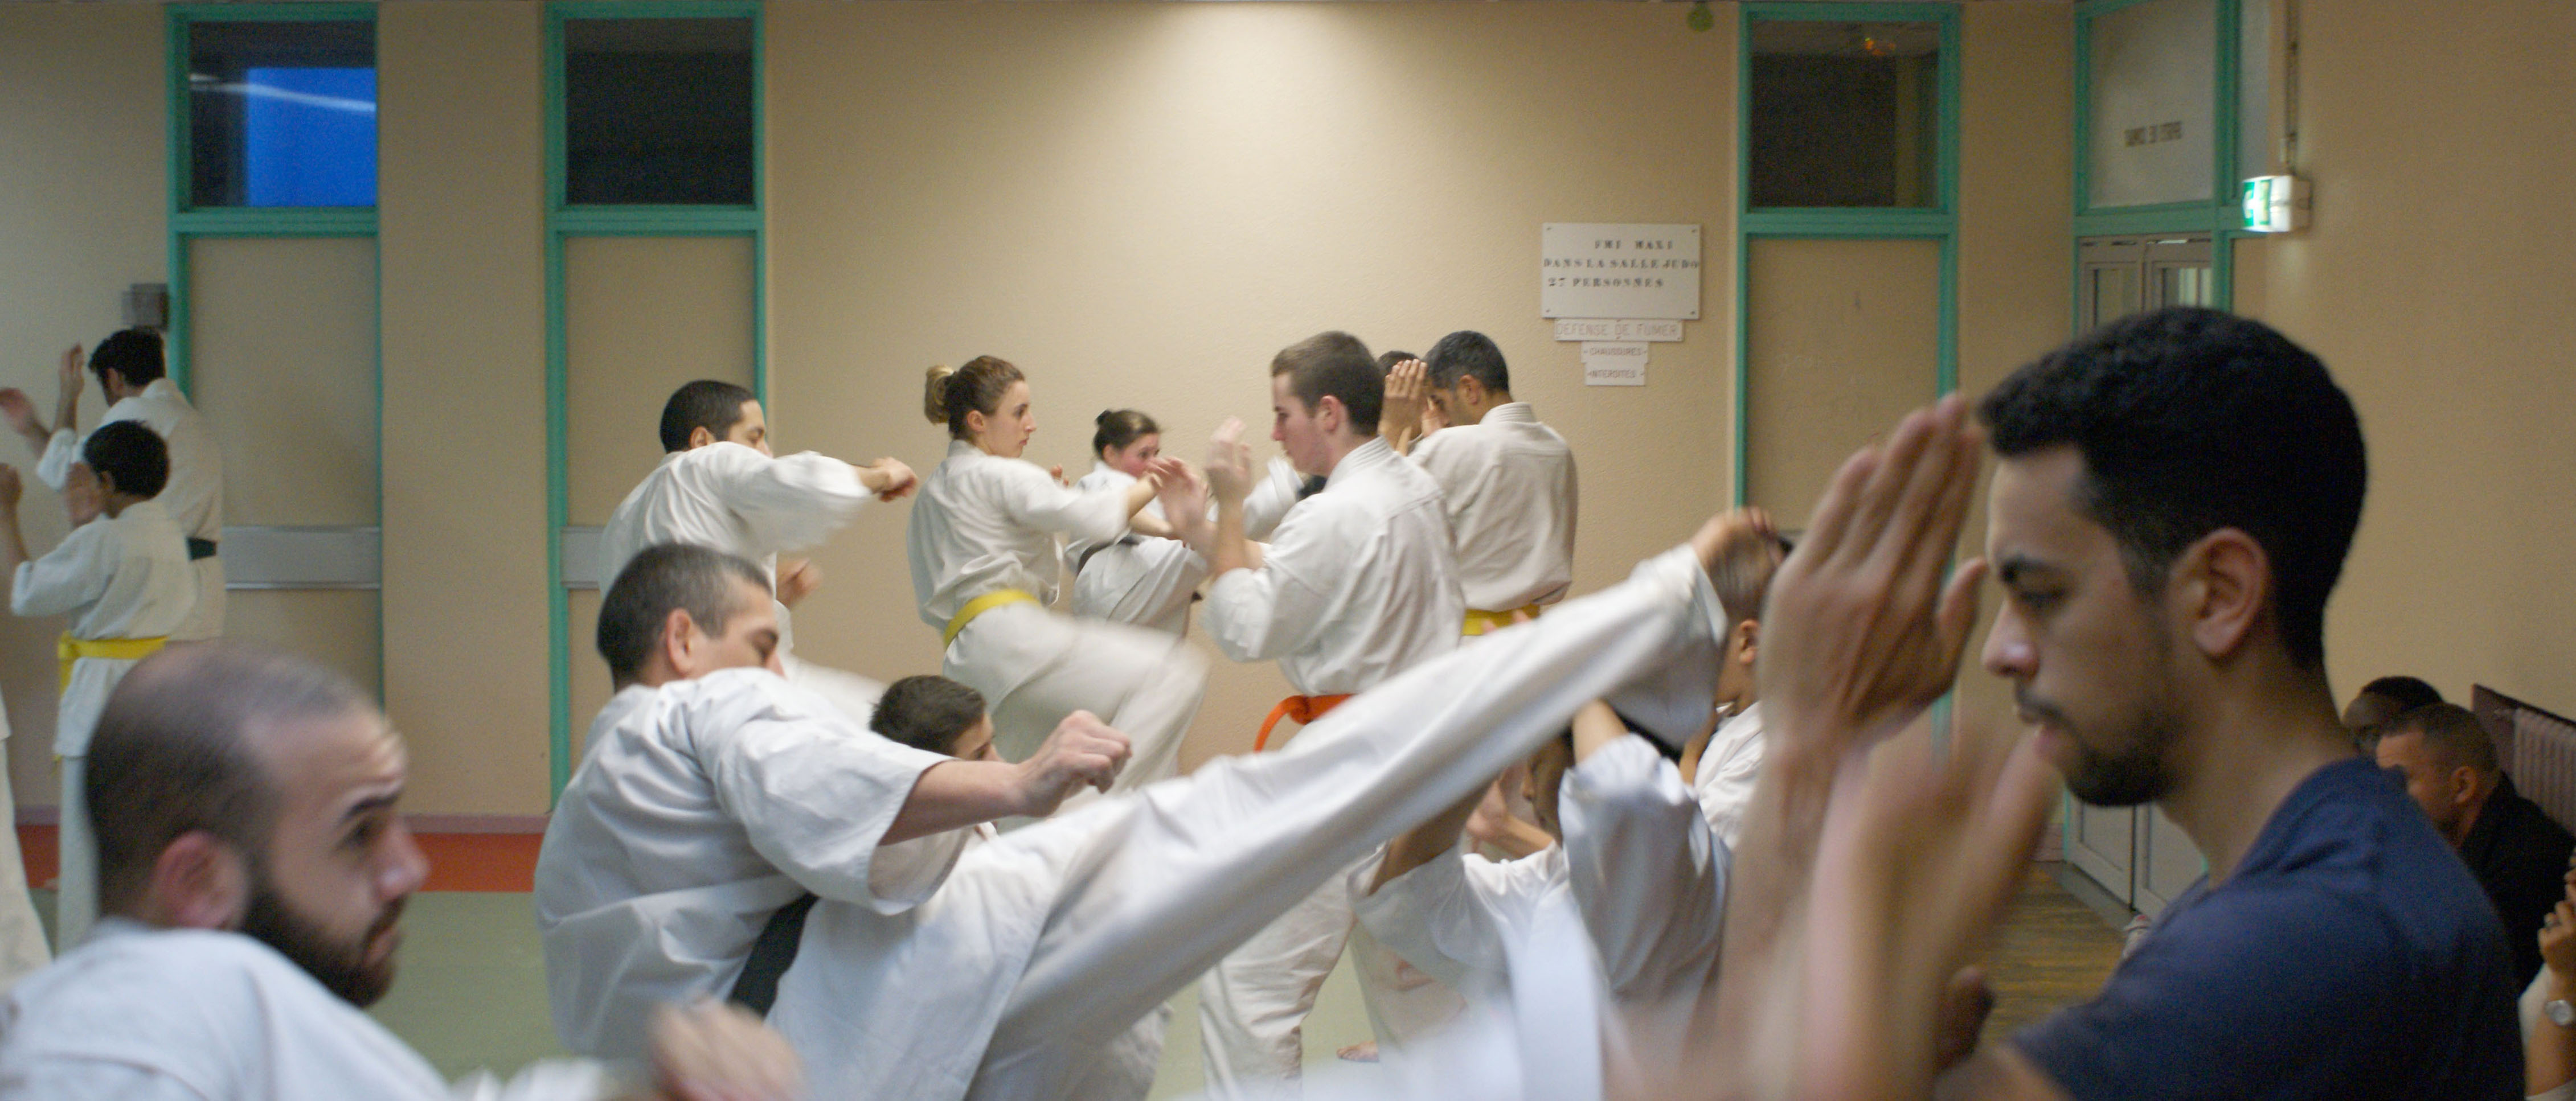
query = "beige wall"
{"x": 82, "y": 118}
{"x": 2435, "y": 283}
{"x": 461, "y": 227}
{"x": 1841, "y": 338}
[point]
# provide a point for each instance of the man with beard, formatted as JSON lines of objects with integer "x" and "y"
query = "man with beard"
{"x": 253, "y": 871}
{"x": 2173, "y": 498}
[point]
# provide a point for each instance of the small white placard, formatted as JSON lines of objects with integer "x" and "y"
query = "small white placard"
{"x": 1614, "y": 363}
{"x": 1586, "y": 328}
{"x": 1614, "y": 269}
{"x": 1569, "y": 329}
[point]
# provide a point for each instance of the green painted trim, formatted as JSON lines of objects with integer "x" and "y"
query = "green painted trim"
{"x": 174, "y": 80}
{"x": 2193, "y": 219}
{"x": 2091, "y": 8}
{"x": 558, "y": 514}
{"x": 1938, "y": 223}
{"x": 332, "y": 221}
{"x": 565, "y": 221}
{"x": 274, "y": 13}
{"x": 1827, "y": 222}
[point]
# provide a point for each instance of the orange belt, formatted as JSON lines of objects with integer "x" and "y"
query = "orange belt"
{"x": 1304, "y": 709}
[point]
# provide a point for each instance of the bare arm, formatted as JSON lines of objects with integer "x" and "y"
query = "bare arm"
{"x": 1399, "y": 420}
{"x": 1427, "y": 842}
{"x": 2549, "y": 1053}
{"x": 13, "y": 543}
{"x": 1082, "y": 752}
{"x": 1229, "y": 475}
{"x": 67, "y": 379}
{"x": 20, "y": 411}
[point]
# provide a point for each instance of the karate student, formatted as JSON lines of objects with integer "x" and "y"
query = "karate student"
{"x": 720, "y": 486}
{"x": 984, "y": 567}
{"x": 1018, "y": 978}
{"x": 1138, "y": 579}
{"x": 1723, "y": 762}
{"x": 713, "y": 796}
{"x": 1357, "y": 585}
{"x": 1506, "y": 479}
{"x": 126, "y": 582}
{"x": 253, "y": 869}
{"x": 129, "y": 369}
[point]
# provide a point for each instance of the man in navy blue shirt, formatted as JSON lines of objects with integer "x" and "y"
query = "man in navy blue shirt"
{"x": 2172, "y": 501}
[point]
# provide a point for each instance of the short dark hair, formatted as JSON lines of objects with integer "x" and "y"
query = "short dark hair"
{"x": 1470, "y": 354}
{"x": 2452, "y": 734}
{"x": 664, "y": 578}
{"x": 2408, "y": 693}
{"x": 1338, "y": 366}
{"x": 927, "y": 712}
{"x": 706, "y": 403}
{"x": 1387, "y": 359}
{"x": 1742, "y": 573}
{"x": 1116, "y": 428}
{"x": 133, "y": 455}
{"x": 134, "y": 354}
{"x": 2190, "y": 420}
{"x": 173, "y": 754}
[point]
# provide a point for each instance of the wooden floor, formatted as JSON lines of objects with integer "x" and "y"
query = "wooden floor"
{"x": 2052, "y": 950}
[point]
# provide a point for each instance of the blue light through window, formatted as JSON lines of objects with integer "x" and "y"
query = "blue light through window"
{"x": 308, "y": 136}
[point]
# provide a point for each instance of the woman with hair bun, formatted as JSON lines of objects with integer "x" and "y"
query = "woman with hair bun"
{"x": 984, "y": 561}
{"x": 1136, "y": 579}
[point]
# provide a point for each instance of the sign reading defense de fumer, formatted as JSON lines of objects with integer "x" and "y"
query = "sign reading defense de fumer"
{"x": 1608, "y": 269}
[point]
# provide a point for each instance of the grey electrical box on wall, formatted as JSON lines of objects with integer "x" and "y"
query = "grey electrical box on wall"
{"x": 147, "y": 306}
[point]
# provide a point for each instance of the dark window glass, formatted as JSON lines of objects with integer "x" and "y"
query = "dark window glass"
{"x": 657, "y": 111}
{"x": 282, "y": 114}
{"x": 1845, "y": 114}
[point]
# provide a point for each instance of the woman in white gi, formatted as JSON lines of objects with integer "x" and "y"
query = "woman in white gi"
{"x": 983, "y": 551}
{"x": 1136, "y": 579}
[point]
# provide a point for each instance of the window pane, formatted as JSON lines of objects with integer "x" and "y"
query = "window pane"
{"x": 1845, "y": 114}
{"x": 282, "y": 114}
{"x": 2154, "y": 78}
{"x": 657, "y": 111}
{"x": 2254, "y": 89}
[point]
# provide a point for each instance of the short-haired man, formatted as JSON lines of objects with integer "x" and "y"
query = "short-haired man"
{"x": 130, "y": 372}
{"x": 1724, "y": 764}
{"x": 1358, "y": 584}
{"x": 936, "y": 715}
{"x": 1506, "y": 480}
{"x": 720, "y": 486}
{"x": 2172, "y": 502}
{"x": 2517, "y": 853}
{"x": 714, "y": 797}
{"x": 254, "y": 869}
{"x": 126, "y": 582}
{"x": 1037, "y": 969}
{"x": 2384, "y": 699}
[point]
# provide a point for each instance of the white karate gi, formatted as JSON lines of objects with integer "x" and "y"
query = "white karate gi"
{"x": 735, "y": 499}
{"x": 701, "y": 808}
{"x": 1639, "y": 863}
{"x": 1271, "y": 498}
{"x": 22, "y": 933}
{"x": 146, "y": 1014}
{"x": 1024, "y": 975}
{"x": 1508, "y": 482}
{"x": 122, "y": 576}
{"x": 194, "y": 495}
{"x": 985, "y": 524}
{"x": 1728, "y": 767}
{"x": 1358, "y": 584}
{"x": 1135, "y": 579}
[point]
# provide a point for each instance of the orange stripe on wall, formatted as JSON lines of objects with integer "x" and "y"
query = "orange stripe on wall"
{"x": 457, "y": 861}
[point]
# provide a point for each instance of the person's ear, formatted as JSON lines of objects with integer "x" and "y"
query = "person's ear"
{"x": 680, "y": 642}
{"x": 2464, "y": 786}
{"x": 975, "y": 422}
{"x": 1748, "y": 637}
{"x": 701, "y": 436}
{"x": 199, "y": 882}
{"x": 111, "y": 380}
{"x": 106, "y": 483}
{"x": 2224, "y": 583}
{"x": 1470, "y": 389}
{"x": 1329, "y": 414}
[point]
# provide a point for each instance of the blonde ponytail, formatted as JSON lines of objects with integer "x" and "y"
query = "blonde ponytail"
{"x": 934, "y": 402}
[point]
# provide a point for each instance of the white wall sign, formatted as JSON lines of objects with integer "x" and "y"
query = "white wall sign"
{"x": 1615, "y": 363}
{"x": 1617, "y": 270}
{"x": 1570, "y": 329}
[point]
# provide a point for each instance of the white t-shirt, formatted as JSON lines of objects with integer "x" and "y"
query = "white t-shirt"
{"x": 190, "y": 1015}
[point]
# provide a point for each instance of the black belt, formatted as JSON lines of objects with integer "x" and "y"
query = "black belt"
{"x": 200, "y": 548}
{"x": 757, "y": 989}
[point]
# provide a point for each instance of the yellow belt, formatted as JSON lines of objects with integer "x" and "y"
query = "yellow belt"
{"x": 70, "y": 650}
{"x": 981, "y": 605}
{"x": 1480, "y": 621}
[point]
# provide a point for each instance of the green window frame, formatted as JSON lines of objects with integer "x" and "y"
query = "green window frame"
{"x": 564, "y": 221}
{"x": 1938, "y": 222}
{"x": 2222, "y": 218}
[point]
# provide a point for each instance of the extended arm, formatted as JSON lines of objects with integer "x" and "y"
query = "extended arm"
{"x": 1082, "y": 752}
